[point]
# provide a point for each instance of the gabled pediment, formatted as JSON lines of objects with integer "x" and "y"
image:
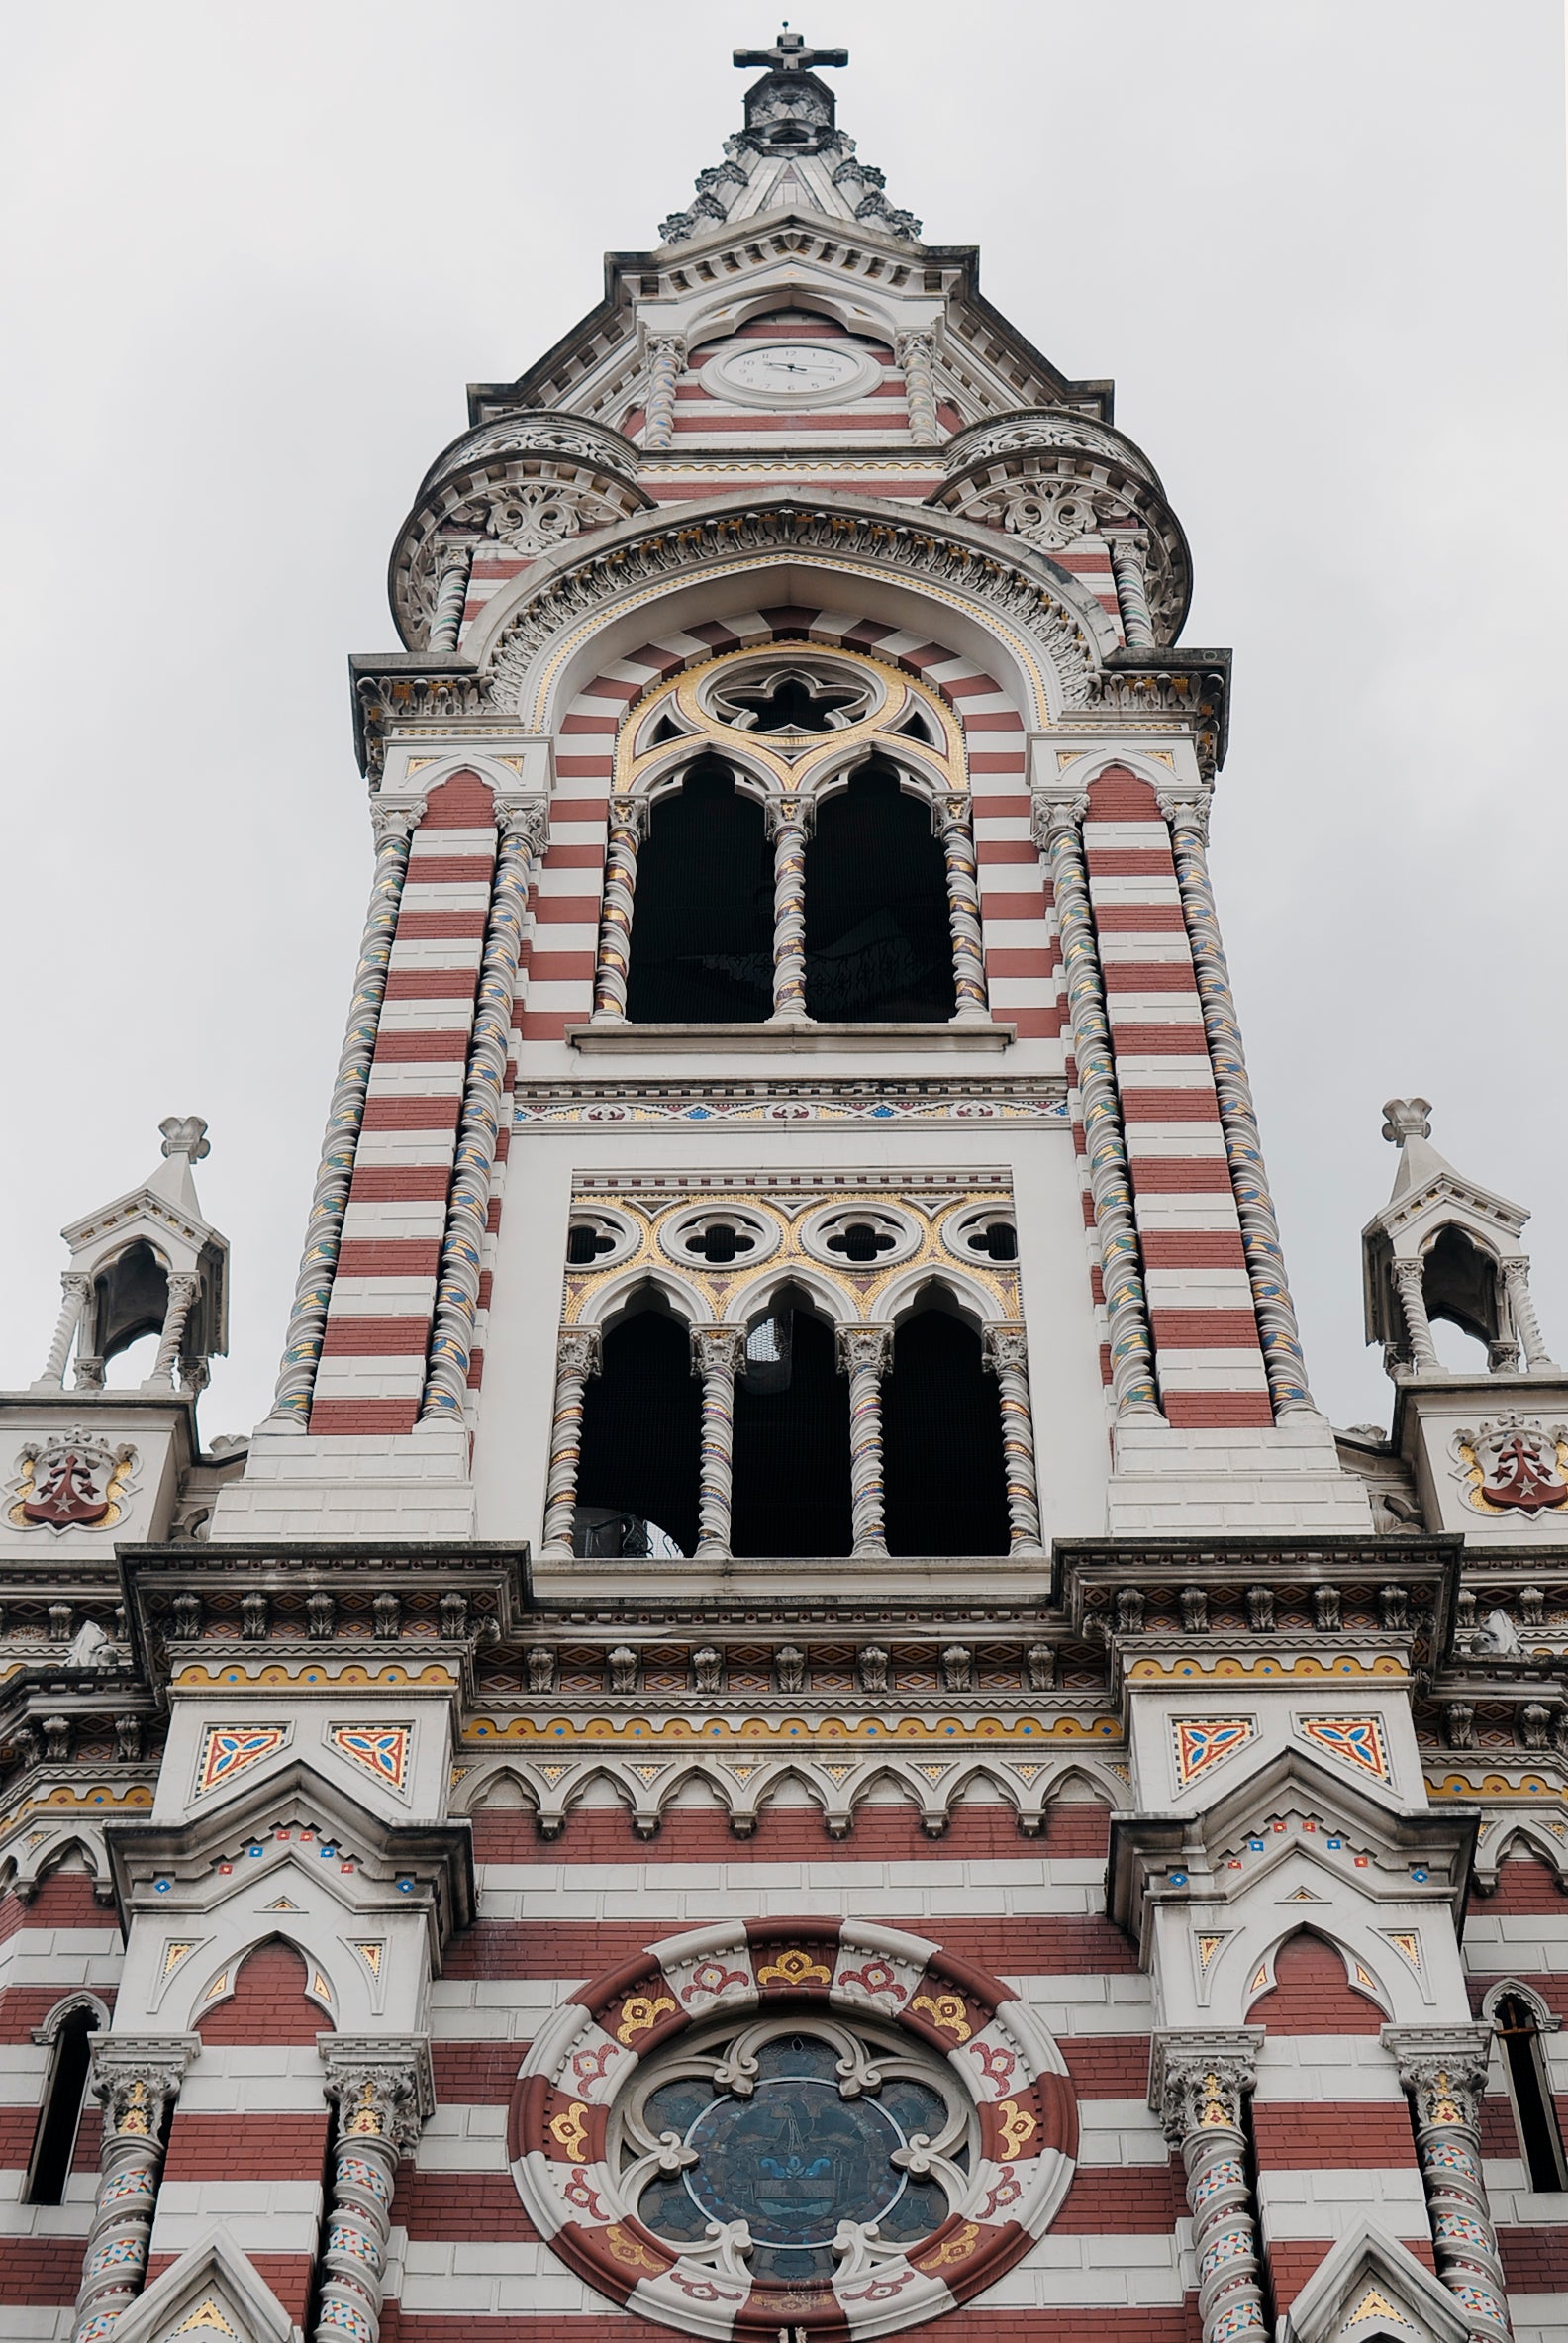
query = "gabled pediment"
{"x": 213, "y": 2294}
{"x": 1371, "y": 2289}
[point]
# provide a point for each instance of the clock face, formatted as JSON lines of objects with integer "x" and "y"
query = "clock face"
{"x": 791, "y": 373}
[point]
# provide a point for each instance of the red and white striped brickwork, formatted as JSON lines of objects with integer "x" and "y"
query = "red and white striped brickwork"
{"x": 248, "y": 2144}
{"x": 1021, "y": 956}
{"x": 1519, "y": 1934}
{"x": 63, "y": 1943}
{"x": 378, "y": 1322}
{"x": 1207, "y": 1357}
{"x": 1330, "y": 2120}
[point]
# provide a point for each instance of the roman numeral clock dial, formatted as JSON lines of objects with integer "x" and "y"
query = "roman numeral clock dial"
{"x": 790, "y": 374}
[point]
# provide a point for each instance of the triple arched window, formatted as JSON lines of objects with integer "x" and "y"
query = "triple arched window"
{"x": 790, "y": 839}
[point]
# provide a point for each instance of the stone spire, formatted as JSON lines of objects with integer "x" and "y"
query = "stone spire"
{"x": 791, "y": 155}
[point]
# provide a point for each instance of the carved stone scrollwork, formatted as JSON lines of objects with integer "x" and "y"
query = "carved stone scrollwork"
{"x": 1444, "y": 2069}
{"x": 136, "y": 2076}
{"x": 384, "y": 2095}
{"x": 1197, "y": 2086}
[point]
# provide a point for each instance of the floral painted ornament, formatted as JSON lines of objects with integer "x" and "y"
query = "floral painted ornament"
{"x": 822, "y": 2124}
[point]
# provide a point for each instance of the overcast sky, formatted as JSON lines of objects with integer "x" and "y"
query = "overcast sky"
{"x": 251, "y": 258}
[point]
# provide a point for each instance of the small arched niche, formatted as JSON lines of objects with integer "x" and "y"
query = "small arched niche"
{"x": 701, "y": 923}
{"x": 878, "y": 946}
{"x": 636, "y": 1478}
{"x": 1462, "y": 1285}
{"x": 790, "y": 1493}
{"x": 942, "y": 1438}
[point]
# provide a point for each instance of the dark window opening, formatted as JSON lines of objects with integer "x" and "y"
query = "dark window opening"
{"x": 878, "y": 948}
{"x": 941, "y": 1442}
{"x": 1529, "y": 2087}
{"x": 916, "y": 728}
{"x": 862, "y": 1240}
{"x": 791, "y": 1484}
{"x": 701, "y": 921}
{"x": 641, "y": 1429}
{"x": 584, "y": 1244}
{"x": 129, "y": 1299}
{"x": 54, "y": 2141}
{"x": 1459, "y": 1283}
{"x": 998, "y": 1242}
{"x": 720, "y": 1242}
{"x": 665, "y": 731}
{"x": 794, "y": 704}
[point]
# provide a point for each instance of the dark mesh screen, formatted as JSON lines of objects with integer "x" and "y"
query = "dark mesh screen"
{"x": 792, "y": 1453}
{"x": 941, "y": 1434}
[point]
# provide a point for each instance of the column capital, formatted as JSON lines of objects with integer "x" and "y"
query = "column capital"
{"x": 523, "y": 822}
{"x": 382, "y": 2085}
{"x": 392, "y": 825}
{"x": 579, "y": 1350}
{"x": 1005, "y": 1347}
{"x": 1057, "y": 814}
{"x": 715, "y": 1348}
{"x": 631, "y": 814}
{"x": 864, "y": 1347}
{"x": 1444, "y": 2068}
{"x": 1199, "y": 2078}
{"x": 1187, "y": 808}
{"x": 792, "y": 812}
{"x": 137, "y": 2075}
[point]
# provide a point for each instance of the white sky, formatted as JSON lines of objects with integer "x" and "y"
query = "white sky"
{"x": 253, "y": 255}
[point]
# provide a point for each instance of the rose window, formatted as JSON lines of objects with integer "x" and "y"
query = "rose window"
{"x": 799, "y": 2134}
{"x": 762, "y": 2125}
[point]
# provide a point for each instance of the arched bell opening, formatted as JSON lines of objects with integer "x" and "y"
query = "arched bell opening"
{"x": 702, "y": 928}
{"x": 1460, "y": 1285}
{"x": 790, "y": 1493}
{"x": 130, "y": 1301}
{"x": 642, "y": 1428}
{"x": 878, "y": 946}
{"x": 942, "y": 1438}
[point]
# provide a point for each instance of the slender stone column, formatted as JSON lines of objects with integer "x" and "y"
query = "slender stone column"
{"x": 1521, "y": 1308}
{"x": 1058, "y": 829}
{"x": 1444, "y": 2069}
{"x": 452, "y": 594}
{"x": 716, "y": 1353}
{"x": 394, "y": 826}
{"x": 579, "y": 1353}
{"x": 523, "y": 827}
{"x": 865, "y": 1355}
{"x": 629, "y": 819}
{"x": 666, "y": 356}
{"x": 1196, "y": 2086}
{"x": 75, "y": 1285}
{"x": 384, "y": 2095}
{"x": 917, "y": 354}
{"x": 1278, "y": 1333}
{"x": 181, "y": 1295}
{"x": 136, "y": 2076}
{"x": 789, "y": 826}
{"x": 951, "y": 817}
{"x": 1417, "y": 1325}
{"x": 1128, "y": 554}
{"x": 1007, "y": 1355}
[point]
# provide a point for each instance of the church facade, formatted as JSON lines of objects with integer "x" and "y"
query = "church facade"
{"x": 795, "y": 1726}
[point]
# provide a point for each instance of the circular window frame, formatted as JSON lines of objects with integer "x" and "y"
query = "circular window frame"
{"x": 957, "y": 1225}
{"x": 829, "y": 1218}
{"x": 673, "y": 1230}
{"x": 625, "y": 1234}
{"x": 873, "y": 1980}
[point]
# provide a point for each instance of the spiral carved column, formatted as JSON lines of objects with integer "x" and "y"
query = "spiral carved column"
{"x": 629, "y": 817}
{"x": 1128, "y": 553}
{"x": 383, "y": 2094}
{"x": 135, "y": 2076}
{"x": 1408, "y": 1281}
{"x": 955, "y": 830}
{"x": 788, "y": 822}
{"x": 1278, "y": 1331}
{"x": 666, "y": 356}
{"x": 1007, "y": 1355}
{"x": 523, "y": 832}
{"x": 1200, "y": 2081}
{"x": 1521, "y": 1309}
{"x": 716, "y": 1353}
{"x": 579, "y": 1353}
{"x": 865, "y": 1355}
{"x": 75, "y": 1286}
{"x": 1444, "y": 2069}
{"x": 1058, "y": 829}
{"x": 917, "y": 354}
{"x": 296, "y": 1380}
{"x": 182, "y": 1297}
{"x": 451, "y": 595}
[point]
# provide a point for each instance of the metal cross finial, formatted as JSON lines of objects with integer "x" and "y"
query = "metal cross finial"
{"x": 790, "y": 54}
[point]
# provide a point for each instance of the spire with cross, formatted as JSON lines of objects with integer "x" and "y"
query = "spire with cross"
{"x": 789, "y": 55}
